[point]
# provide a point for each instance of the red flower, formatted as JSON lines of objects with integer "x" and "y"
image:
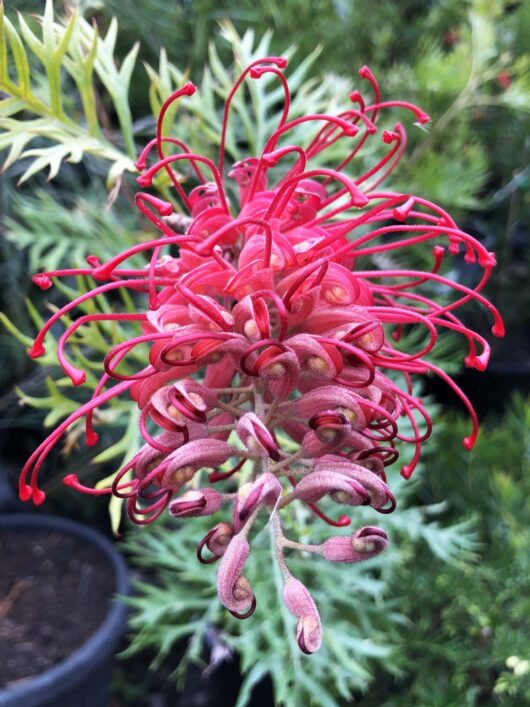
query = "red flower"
{"x": 504, "y": 80}
{"x": 269, "y": 322}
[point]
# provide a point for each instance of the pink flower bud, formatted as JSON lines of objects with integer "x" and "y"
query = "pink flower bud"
{"x": 255, "y": 436}
{"x": 168, "y": 317}
{"x": 342, "y": 489}
{"x": 212, "y": 350}
{"x": 220, "y": 315}
{"x": 299, "y": 300}
{"x": 339, "y": 286}
{"x": 234, "y": 590}
{"x": 330, "y": 426}
{"x": 378, "y": 491}
{"x": 314, "y": 446}
{"x": 265, "y": 490}
{"x": 182, "y": 464}
{"x": 146, "y": 460}
{"x": 282, "y": 375}
{"x": 301, "y": 604}
{"x": 144, "y": 388}
{"x": 351, "y": 323}
{"x": 164, "y": 413}
{"x": 371, "y": 462}
{"x": 192, "y": 399}
{"x": 252, "y": 319}
{"x": 330, "y": 397}
{"x": 200, "y": 502}
{"x": 316, "y": 359}
{"x": 203, "y": 196}
{"x": 276, "y": 365}
{"x": 364, "y": 544}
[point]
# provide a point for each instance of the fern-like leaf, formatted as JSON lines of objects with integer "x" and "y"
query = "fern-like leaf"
{"x": 71, "y": 47}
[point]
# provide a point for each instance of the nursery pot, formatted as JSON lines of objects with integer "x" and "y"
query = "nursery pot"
{"x": 64, "y": 577}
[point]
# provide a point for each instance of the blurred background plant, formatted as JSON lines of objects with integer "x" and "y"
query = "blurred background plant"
{"x": 441, "y": 620}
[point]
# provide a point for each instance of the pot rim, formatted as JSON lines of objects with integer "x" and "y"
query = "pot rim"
{"x": 71, "y": 671}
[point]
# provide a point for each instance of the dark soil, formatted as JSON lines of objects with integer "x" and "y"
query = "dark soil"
{"x": 55, "y": 591}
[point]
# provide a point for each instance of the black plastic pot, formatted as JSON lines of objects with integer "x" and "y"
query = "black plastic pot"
{"x": 83, "y": 679}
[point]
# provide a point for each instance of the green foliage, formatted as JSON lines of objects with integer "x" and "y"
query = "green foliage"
{"x": 467, "y": 641}
{"x": 458, "y": 84}
{"x": 56, "y": 227}
{"x": 70, "y": 48}
{"x": 78, "y": 64}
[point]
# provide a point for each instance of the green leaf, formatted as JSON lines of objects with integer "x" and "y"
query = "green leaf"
{"x": 72, "y": 45}
{"x": 36, "y": 46}
{"x": 51, "y": 158}
{"x": 12, "y": 329}
{"x": 21, "y": 60}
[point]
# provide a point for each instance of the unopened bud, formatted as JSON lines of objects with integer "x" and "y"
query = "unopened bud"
{"x": 364, "y": 544}
{"x": 301, "y": 604}
{"x": 264, "y": 491}
{"x": 234, "y": 590}
{"x": 200, "y": 502}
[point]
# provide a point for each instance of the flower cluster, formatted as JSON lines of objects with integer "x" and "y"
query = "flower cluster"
{"x": 275, "y": 352}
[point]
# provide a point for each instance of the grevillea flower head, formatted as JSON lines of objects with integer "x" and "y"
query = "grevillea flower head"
{"x": 278, "y": 369}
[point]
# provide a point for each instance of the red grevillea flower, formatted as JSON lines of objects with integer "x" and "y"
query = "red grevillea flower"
{"x": 265, "y": 320}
